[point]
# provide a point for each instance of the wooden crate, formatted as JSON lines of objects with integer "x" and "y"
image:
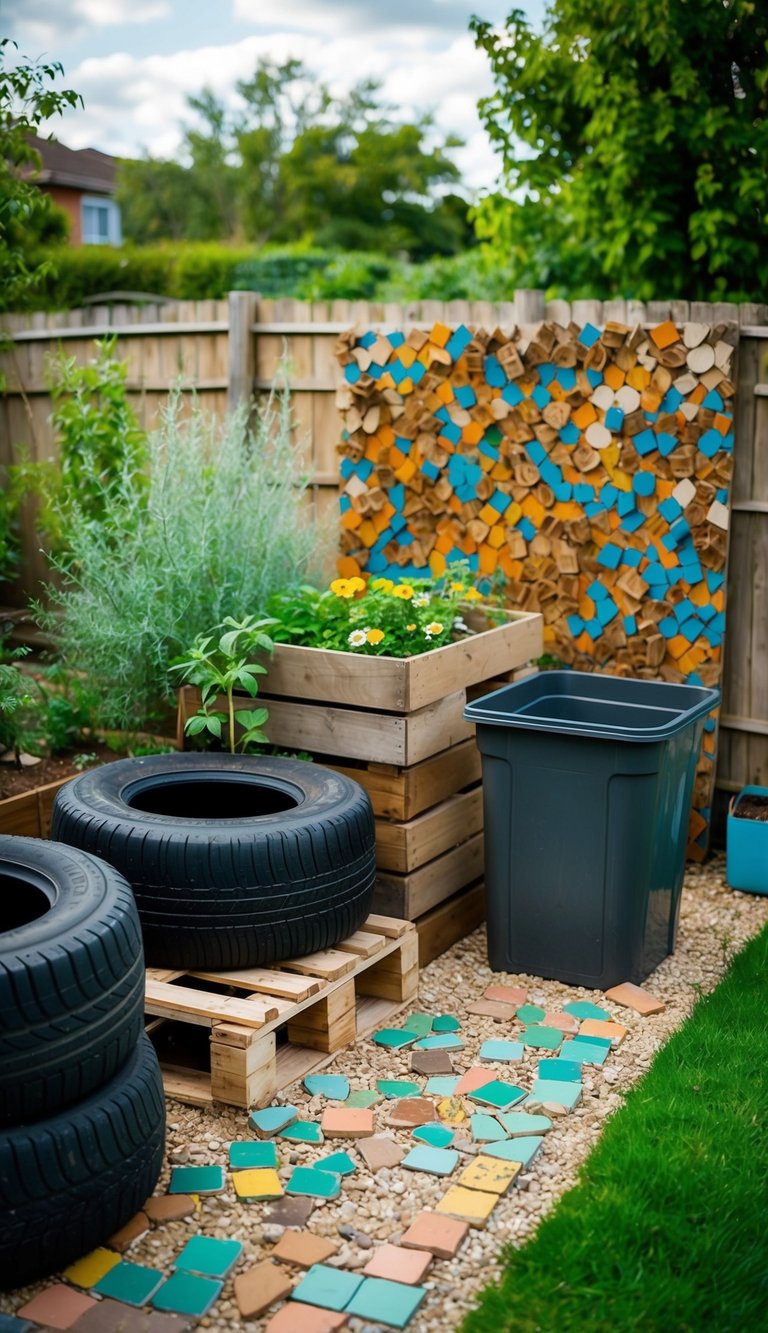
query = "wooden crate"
{"x": 239, "y": 1036}
{"x": 29, "y": 815}
{"x": 450, "y": 922}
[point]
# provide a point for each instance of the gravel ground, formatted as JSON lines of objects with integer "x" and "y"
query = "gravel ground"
{"x": 715, "y": 923}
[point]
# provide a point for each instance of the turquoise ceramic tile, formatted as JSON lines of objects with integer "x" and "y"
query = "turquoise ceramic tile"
{"x": 437, "y": 1136}
{"x": 272, "y": 1119}
{"x": 419, "y": 1024}
{"x": 333, "y": 1086}
{"x": 563, "y": 1094}
{"x": 131, "y": 1283}
{"x": 593, "y": 1041}
{"x": 313, "y": 1184}
{"x": 442, "y": 1085}
{"x": 486, "y": 1129}
{"x": 397, "y": 1087}
{"x": 393, "y": 1038}
{"x": 330, "y": 1288}
{"x": 196, "y": 1180}
{"x": 501, "y": 1051}
{"x": 446, "y": 1023}
{"x": 435, "y": 1161}
{"x": 251, "y": 1153}
{"x": 303, "y": 1131}
{"x": 340, "y": 1163}
{"x": 563, "y": 1071}
{"x": 362, "y": 1099}
{"x": 547, "y": 1039}
{"x": 209, "y": 1257}
{"x": 444, "y": 1041}
{"x": 519, "y": 1123}
{"x": 521, "y": 1150}
{"x": 498, "y": 1094}
{"x": 584, "y": 1052}
{"x": 391, "y": 1303}
{"x": 531, "y": 1013}
{"x": 185, "y": 1293}
{"x": 586, "y": 1009}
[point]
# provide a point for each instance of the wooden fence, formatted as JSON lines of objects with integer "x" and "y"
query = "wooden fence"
{"x": 226, "y": 350}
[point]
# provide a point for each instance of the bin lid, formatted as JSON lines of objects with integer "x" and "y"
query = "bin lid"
{"x": 579, "y": 703}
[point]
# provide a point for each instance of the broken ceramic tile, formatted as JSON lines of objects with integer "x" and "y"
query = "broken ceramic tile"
{"x": 584, "y": 1053}
{"x": 443, "y": 1041}
{"x": 585, "y": 1009}
{"x": 394, "y": 1038}
{"x": 446, "y": 1023}
{"x": 89, "y": 1270}
{"x": 412, "y": 1111}
{"x": 259, "y": 1287}
{"x": 434, "y": 1161}
{"x": 563, "y": 1071}
{"x": 392, "y": 1303}
{"x": 632, "y": 997}
{"x": 271, "y": 1119}
{"x": 133, "y": 1284}
{"x": 437, "y": 1136}
{"x": 530, "y": 1013}
{"x": 522, "y": 1150}
{"x": 547, "y": 1039}
{"x": 520, "y": 1123}
{"x": 514, "y": 995}
{"x": 209, "y": 1256}
{"x": 440, "y": 1086}
{"x": 489, "y": 1173}
{"x": 330, "y": 1288}
{"x": 441, "y": 1235}
{"x": 397, "y": 1263}
{"x": 333, "y": 1086}
{"x": 340, "y": 1163}
{"x": 397, "y": 1087}
{"x": 498, "y": 1094}
{"x": 472, "y": 1206}
{"x": 196, "y": 1180}
{"x": 252, "y": 1153}
{"x": 419, "y": 1024}
{"x": 431, "y": 1062}
{"x": 486, "y": 1129}
{"x": 566, "y": 1095}
{"x": 290, "y": 1212}
{"x": 302, "y": 1249}
{"x": 501, "y": 1052}
{"x": 302, "y": 1131}
{"x": 313, "y": 1184}
{"x": 362, "y": 1098}
{"x": 473, "y": 1079}
{"x": 185, "y": 1293}
{"x": 380, "y": 1151}
{"x": 257, "y": 1183}
{"x": 345, "y": 1123}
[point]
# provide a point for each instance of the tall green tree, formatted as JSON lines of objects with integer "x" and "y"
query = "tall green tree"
{"x": 634, "y": 139}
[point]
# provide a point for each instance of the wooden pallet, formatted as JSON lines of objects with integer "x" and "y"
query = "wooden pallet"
{"x": 239, "y": 1036}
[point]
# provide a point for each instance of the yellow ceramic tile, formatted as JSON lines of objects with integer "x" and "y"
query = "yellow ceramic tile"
{"x": 257, "y": 1183}
{"x": 89, "y": 1270}
{"x": 473, "y": 1206}
{"x": 490, "y": 1174}
{"x": 451, "y": 1111}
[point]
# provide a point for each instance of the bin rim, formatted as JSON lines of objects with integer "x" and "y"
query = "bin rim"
{"x": 482, "y": 712}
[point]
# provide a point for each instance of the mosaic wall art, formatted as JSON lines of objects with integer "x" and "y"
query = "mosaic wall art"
{"x": 591, "y": 467}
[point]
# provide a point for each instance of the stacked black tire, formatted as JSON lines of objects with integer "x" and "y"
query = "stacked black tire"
{"x": 82, "y": 1113}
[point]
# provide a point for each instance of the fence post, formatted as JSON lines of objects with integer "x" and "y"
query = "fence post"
{"x": 529, "y": 306}
{"x": 243, "y": 307}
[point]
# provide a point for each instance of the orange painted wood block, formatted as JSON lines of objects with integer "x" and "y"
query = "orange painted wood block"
{"x": 664, "y": 335}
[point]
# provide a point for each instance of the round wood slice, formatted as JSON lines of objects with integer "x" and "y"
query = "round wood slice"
{"x": 701, "y": 358}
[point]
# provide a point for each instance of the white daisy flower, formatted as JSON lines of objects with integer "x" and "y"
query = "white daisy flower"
{"x": 357, "y": 638}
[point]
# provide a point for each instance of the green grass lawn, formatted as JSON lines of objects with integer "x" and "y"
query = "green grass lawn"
{"x": 668, "y": 1227}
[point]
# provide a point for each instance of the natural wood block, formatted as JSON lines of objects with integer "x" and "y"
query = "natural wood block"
{"x": 243, "y": 1070}
{"x": 329, "y": 1024}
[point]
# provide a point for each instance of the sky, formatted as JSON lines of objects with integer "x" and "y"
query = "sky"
{"x": 135, "y": 62}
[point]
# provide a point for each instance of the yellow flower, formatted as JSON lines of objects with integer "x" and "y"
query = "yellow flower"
{"x": 374, "y": 635}
{"x": 382, "y": 585}
{"x": 472, "y": 595}
{"x": 347, "y": 587}
{"x": 433, "y": 628}
{"x": 404, "y": 591}
{"x": 457, "y": 587}
{"x": 410, "y": 628}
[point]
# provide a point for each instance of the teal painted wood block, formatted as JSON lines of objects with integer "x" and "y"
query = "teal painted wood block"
{"x": 340, "y": 1163}
{"x": 498, "y": 1094}
{"x": 333, "y": 1086}
{"x": 562, "y": 1071}
{"x": 437, "y": 1136}
{"x": 444, "y": 1041}
{"x": 250, "y": 1153}
{"x": 586, "y": 1009}
{"x": 313, "y": 1184}
{"x": 501, "y": 1052}
{"x": 547, "y": 1039}
{"x": 393, "y": 1038}
{"x": 196, "y": 1180}
{"x": 134, "y": 1284}
{"x": 519, "y": 1123}
{"x": 363, "y": 1098}
{"x": 446, "y": 1023}
{"x": 303, "y": 1131}
{"x": 593, "y": 1041}
{"x": 442, "y": 1085}
{"x": 522, "y": 1150}
{"x": 584, "y": 1052}
{"x": 397, "y": 1087}
{"x": 330, "y": 1288}
{"x": 486, "y": 1129}
{"x": 208, "y": 1256}
{"x": 419, "y": 1024}
{"x": 391, "y": 1303}
{"x": 185, "y": 1293}
{"x": 531, "y": 1013}
{"x": 272, "y": 1119}
{"x": 435, "y": 1161}
{"x": 567, "y": 1095}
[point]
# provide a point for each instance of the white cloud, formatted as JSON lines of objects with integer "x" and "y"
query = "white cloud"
{"x": 41, "y": 22}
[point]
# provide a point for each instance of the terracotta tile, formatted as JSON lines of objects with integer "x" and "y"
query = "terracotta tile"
{"x": 431, "y": 1062}
{"x": 302, "y": 1249}
{"x": 130, "y": 1232}
{"x": 260, "y": 1287}
{"x": 56, "y": 1307}
{"x": 298, "y": 1318}
{"x": 397, "y": 1264}
{"x": 596, "y": 1027}
{"x": 169, "y": 1207}
{"x": 473, "y": 1079}
{"x": 412, "y": 1111}
{"x": 340, "y": 1123}
{"x": 506, "y": 994}
{"x": 442, "y": 1236}
{"x": 634, "y": 997}
{"x": 503, "y": 1013}
{"x": 565, "y": 1022}
{"x": 381, "y": 1151}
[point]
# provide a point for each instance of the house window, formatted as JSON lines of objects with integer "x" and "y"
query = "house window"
{"x": 100, "y": 221}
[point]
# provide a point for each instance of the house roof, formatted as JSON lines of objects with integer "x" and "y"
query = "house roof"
{"x": 78, "y": 168}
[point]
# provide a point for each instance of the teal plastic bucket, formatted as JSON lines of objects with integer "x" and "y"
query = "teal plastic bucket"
{"x": 747, "y": 847}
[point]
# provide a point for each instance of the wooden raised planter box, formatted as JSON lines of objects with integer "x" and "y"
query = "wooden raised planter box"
{"x": 396, "y": 725}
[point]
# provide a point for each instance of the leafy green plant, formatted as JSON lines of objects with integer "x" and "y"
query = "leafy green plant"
{"x": 220, "y": 664}
{"x": 14, "y": 696}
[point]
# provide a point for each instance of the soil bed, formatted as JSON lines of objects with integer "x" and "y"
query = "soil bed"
{"x": 752, "y": 807}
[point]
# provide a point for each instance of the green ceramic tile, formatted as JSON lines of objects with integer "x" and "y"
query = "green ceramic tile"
{"x": 531, "y": 1013}
{"x": 498, "y": 1094}
{"x": 209, "y": 1257}
{"x": 521, "y": 1150}
{"x": 330, "y": 1288}
{"x": 249, "y": 1153}
{"x": 547, "y": 1039}
{"x": 501, "y": 1051}
{"x": 271, "y": 1119}
{"x": 302, "y": 1131}
{"x": 340, "y": 1163}
{"x": 313, "y": 1184}
{"x": 442, "y": 1085}
{"x": 437, "y": 1136}
{"x": 196, "y": 1180}
{"x": 363, "y": 1098}
{"x": 419, "y": 1024}
{"x": 564, "y": 1094}
{"x": 586, "y": 1009}
{"x": 486, "y": 1129}
{"x": 185, "y": 1293}
{"x": 397, "y": 1087}
{"x": 446, "y": 1023}
{"x": 593, "y": 1041}
{"x": 393, "y": 1038}
{"x": 435, "y": 1161}
{"x": 563, "y": 1071}
{"x": 131, "y": 1283}
{"x": 391, "y": 1303}
{"x": 524, "y": 1122}
{"x": 444, "y": 1041}
{"x": 584, "y": 1053}
{"x": 333, "y": 1086}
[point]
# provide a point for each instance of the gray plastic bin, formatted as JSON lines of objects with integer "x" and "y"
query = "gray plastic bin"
{"x": 587, "y": 784}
